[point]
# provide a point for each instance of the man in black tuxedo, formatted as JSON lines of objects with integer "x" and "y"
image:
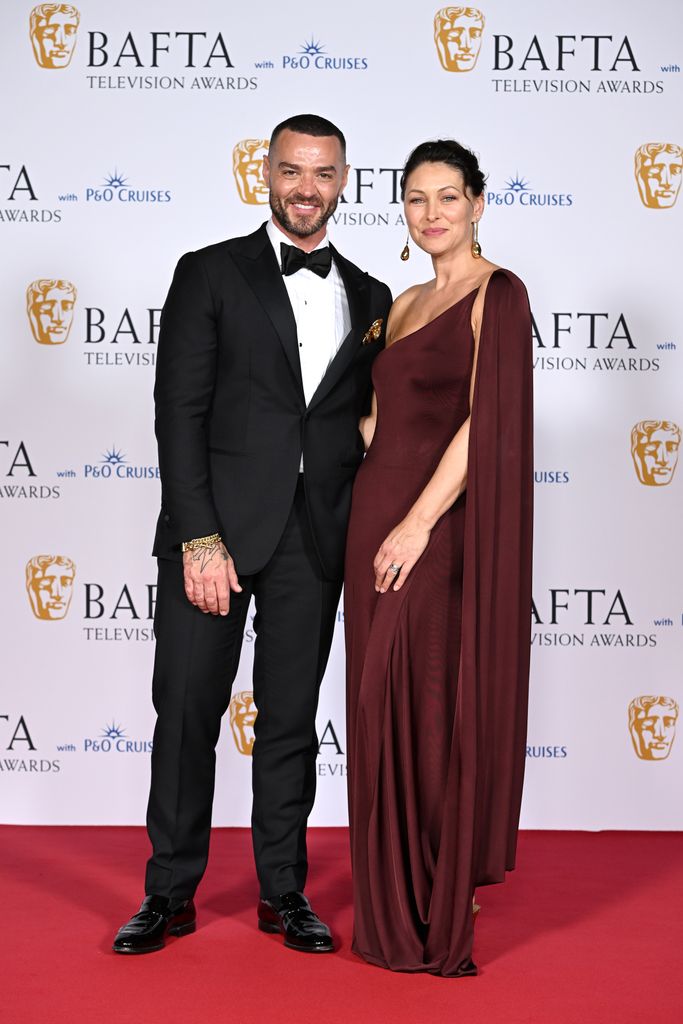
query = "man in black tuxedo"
{"x": 263, "y": 372}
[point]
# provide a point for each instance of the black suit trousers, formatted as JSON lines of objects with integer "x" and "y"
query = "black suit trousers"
{"x": 197, "y": 657}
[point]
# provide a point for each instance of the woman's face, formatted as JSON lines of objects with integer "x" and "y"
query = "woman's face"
{"x": 438, "y": 211}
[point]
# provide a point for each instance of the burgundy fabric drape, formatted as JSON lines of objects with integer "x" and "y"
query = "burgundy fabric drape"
{"x": 438, "y": 672}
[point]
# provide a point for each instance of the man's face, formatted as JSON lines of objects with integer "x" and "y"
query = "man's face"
{"x": 51, "y": 316}
{"x": 55, "y": 37}
{"x": 250, "y": 170}
{"x": 658, "y": 455}
{"x": 50, "y": 591}
{"x": 653, "y": 732}
{"x": 661, "y": 177}
{"x": 306, "y": 175}
{"x": 242, "y": 718}
{"x": 459, "y": 42}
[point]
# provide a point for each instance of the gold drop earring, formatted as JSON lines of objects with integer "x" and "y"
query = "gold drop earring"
{"x": 476, "y": 248}
{"x": 405, "y": 251}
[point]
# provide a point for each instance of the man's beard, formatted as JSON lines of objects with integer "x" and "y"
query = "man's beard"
{"x": 304, "y": 227}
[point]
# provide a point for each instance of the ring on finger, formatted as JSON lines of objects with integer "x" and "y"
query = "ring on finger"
{"x": 395, "y": 569}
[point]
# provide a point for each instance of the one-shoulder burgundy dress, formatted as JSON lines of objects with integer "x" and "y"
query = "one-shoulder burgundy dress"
{"x": 438, "y": 671}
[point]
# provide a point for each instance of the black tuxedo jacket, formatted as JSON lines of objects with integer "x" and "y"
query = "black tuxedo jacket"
{"x": 231, "y": 417}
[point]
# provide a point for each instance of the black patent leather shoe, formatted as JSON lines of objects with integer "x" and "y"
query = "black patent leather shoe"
{"x": 302, "y": 929}
{"x": 157, "y": 918}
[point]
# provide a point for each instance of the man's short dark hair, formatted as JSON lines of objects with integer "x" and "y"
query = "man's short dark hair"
{"x": 310, "y": 124}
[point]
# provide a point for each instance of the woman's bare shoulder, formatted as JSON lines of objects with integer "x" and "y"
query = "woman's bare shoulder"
{"x": 406, "y": 297}
{"x": 401, "y": 304}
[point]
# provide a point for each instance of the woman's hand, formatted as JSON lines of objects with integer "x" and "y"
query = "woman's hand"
{"x": 400, "y": 550}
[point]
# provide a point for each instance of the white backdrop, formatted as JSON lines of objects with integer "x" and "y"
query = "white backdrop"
{"x": 115, "y": 159}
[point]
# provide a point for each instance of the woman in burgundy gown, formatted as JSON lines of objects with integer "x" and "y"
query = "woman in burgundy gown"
{"x": 438, "y": 589}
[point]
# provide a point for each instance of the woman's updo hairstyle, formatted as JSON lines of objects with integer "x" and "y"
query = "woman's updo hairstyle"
{"x": 446, "y": 151}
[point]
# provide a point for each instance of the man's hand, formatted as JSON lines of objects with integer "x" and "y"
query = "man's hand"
{"x": 210, "y": 575}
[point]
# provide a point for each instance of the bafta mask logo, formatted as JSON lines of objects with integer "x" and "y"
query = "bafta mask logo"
{"x": 658, "y": 168}
{"x": 247, "y": 166}
{"x": 654, "y": 450}
{"x": 50, "y": 308}
{"x": 457, "y": 34}
{"x": 50, "y": 584}
{"x": 652, "y": 724}
{"x": 53, "y": 29}
{"x": 242, "y": 717}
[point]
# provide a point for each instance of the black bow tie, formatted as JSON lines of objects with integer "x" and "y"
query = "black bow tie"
{"x": 293, "y": 259}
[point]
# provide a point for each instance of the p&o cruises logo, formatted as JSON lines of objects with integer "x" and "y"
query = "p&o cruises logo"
{"x": 555, "y": 751}
{"x": 579, "y": 62}
{"x": 113, "y": 740}
{"x": 313, "y": 56}
{"x": 518, "y": 192}
{"x": 116, "y": 189}
{"x": 114, "y": 466}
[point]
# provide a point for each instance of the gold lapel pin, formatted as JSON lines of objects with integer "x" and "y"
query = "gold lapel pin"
{"x": 373, "y": 332}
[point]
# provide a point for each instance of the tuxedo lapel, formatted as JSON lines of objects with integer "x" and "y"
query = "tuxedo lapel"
{"x": 258, "y": 264}
{"x": 358, "y": 297}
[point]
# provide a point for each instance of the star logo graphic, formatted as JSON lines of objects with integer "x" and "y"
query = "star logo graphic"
{"x": 113, "y": 731}
{"x": 517, "y": 184}
{"x": 115, "y": 180}
{"x": 114, "y": 457}
{"x": 312, "y": 48}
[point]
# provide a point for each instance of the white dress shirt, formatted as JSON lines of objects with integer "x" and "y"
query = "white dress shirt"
{"x": 321, "y": 312}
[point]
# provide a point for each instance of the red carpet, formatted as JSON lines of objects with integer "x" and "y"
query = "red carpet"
{"x": 589, "y": 928}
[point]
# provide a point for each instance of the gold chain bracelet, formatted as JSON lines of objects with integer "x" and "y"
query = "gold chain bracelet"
{"x": 201, "y": 542}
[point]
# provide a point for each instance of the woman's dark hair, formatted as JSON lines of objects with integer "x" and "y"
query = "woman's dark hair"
{"x": 446, "y": 151}
{"x": 310, "y": 124}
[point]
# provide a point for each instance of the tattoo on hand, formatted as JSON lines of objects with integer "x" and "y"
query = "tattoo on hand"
{"x": 204, "y": 555}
